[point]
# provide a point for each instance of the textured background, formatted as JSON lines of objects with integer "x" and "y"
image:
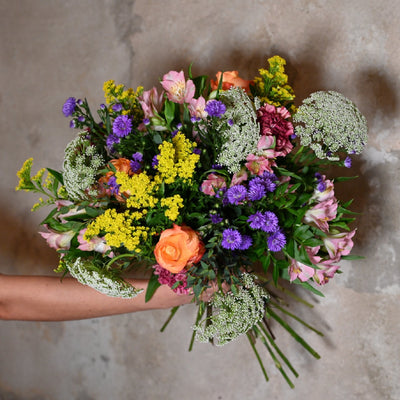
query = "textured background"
{"x": 50, "y": 50}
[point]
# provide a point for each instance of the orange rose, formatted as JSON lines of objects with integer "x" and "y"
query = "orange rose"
{"x": 230, "y": 78}
{"x": 178, "y": 247}
{"x": 122, "y": 165}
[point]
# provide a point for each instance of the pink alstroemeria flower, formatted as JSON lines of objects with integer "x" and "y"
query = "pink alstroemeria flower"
{"x": 339, "y": 244}
{"x": 57, "y": 240}
{"x": 96, "y": 243}
{"x": 212, "y": 184}
{"x": 197, "y": 108}
{"x": 178, "y": 90}
{"x": 326, "y": 272}
{"x": 151, "y": 102}
{"x": 300, "y": 270}
{"x": 258, "y": 164}
{"x": 239, "y": 177}
{"x": 321, "y": 213}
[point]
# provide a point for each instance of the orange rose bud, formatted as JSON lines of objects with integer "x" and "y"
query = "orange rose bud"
{"x": 230, "y": 78}
{"x": 178, "y": 247}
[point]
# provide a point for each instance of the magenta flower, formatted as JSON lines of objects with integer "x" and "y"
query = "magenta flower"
{"x": 58, "y": 240}
{"x": 321, "y": 213}
{"x": 166, "y": 277}
{"x": 178, "y": 90}
{"x": 339, "y": 244}
{"x": 273, "y": 122}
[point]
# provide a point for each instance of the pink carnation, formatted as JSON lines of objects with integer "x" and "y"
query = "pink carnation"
{"x": 273, "y": 122}
{"x": 168, "y": 278}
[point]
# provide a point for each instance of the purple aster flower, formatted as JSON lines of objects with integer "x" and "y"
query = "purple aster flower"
{"x": 72, "y": 123}
{"x": 135, "y": 165}
{"x": 247, "y": 241}
{"x": 215, "y": 108}
{"x": 347, "y": 162}
{"x": 154, "y": 162}
{"x": 111, "y": 140}
{"x": 271, "y": 222}
{"x": 122, "y": 126}
{"x": 137, "y": 156}
{"x": 276, "y": 241}
{"x": 257, "y": 220}
{"x": 69, "y": 106}
{"x": 117, "y": 107}
{"x": 256, "y": 190}
{"x": 215, "y": 218}
{"x": 112, "y": 183}
{"x": 236, "y": 194}
{"x": 231, "y": 239}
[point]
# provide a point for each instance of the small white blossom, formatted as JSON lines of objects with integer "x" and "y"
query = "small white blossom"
{"x": 85, "y": 272}
{"x": 330, "y": 123}
{"x": 235, "y": 314}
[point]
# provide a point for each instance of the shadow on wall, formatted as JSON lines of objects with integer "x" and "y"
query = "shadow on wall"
{"x": 23, "y": 250}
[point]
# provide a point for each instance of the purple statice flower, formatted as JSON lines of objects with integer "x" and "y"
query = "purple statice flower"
{"x": 196, "y": 151}
{"x": 293, "y": 136}
{"x": 112, "y": 183}
{"x": 256, "y": 191}
{"x": 179, "y": 125}
{"x": 154, "y": 162}
{"x": 137, "y": 156}
{"x": 215, "y": 218}
{"x": 81, "y": 118}
{"x": 328, "y": 153}
{"x": 318, "y": 176}
{"x": 276, "y": 241}
{"x": 146, "y": 121}
{"x": 193, "y": 119}
{"x": 117, "y": 107}
{"x": 72, "y": 123}
{"x": 231, "y": 239}
{"x": 257, "y": 220}
{"x": 247, "y": 241}
{"x": 271, "y": 222}
{"x": 173, "y": 133}
{"x": 79, "y": 102}
{"x": 215, "y": 108}
{"x": 122, "y": 126}
{"x": 347, "y": 162}
{"x": 69, "y": 106}
{"x": 102, "y": 106}
{"x": 230, "y": 122}
{"x": 236, "y": 194}
{"x": 111, "y": 140}
{"x": 216, "y": 166}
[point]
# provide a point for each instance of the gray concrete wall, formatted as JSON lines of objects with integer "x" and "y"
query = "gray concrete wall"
{"x": 53, "y": 49}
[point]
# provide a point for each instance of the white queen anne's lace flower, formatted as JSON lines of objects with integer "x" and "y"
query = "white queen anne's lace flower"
{"x": 330, "y": 123}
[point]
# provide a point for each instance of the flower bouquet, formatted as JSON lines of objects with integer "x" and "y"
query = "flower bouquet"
{"x": 206, "y": 182}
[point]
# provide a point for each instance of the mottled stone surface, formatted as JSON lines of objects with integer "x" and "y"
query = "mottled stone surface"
{"x": 54, "y": 49}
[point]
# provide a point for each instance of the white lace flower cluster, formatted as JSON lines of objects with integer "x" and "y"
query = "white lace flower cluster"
{"x": 80, "y": 168}
{"x": 85, "y": 272}
{"x": 241, "y": 131}
{"x": 235, "y": 313}
{"x": 330, "y": 122}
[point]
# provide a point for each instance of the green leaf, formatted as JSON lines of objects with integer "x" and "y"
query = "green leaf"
{"x": 56, "y": 175}
{"x": 344, "y": 178}
{"x": 169, "y": 111}
{"x": 352, "y": 257}
{"x": 152, "y": 286}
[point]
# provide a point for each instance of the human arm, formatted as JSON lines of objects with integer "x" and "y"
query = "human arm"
{"x": 45, "y": 298}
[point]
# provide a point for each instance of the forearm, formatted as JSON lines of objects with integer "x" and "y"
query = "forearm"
{"x": 40, "y": 298}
